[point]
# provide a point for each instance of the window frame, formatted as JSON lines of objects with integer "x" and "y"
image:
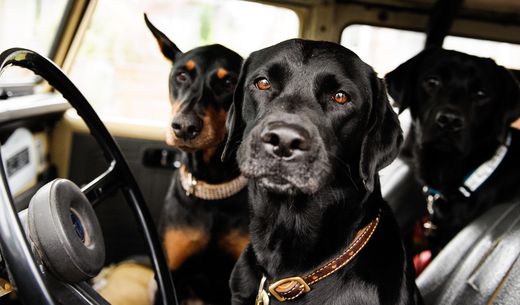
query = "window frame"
{"x": 412, "y": 19}
{"x": 60, "y": 45}
{"x": 515, "y": 72}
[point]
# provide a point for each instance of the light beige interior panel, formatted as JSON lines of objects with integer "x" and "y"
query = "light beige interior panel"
{"x": 61, "y": 140}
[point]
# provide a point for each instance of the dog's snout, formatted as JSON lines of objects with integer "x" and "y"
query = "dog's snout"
{"x": 285, "y": 141}
{"x": 449, "y": 120}
{"x": 186, "y": 127}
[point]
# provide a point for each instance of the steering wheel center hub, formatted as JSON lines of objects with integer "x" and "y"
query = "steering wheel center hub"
{"x": 79, "y": 228}
{"x": 66, "y": 232}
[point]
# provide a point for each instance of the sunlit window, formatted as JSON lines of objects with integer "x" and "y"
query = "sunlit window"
{"x": 382, "y": 48}
{"x": 120, "y": 68}
{"x": 505, "y": 54}
{"x": 28, "y": 24}
{"x": 386, "y": 48}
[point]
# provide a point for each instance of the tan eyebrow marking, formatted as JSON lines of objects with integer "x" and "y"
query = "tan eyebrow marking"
{"x": 190, "y": 65}
{"x": 221, "y": 73}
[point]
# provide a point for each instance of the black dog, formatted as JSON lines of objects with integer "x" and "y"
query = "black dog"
{"x": 461, "y": 146}
{"x": 205, "y": 218}
{"x": 315, "y": 126}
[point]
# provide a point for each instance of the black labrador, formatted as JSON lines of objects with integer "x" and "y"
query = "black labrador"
{"x": 461, "y": 147}
{"x": 204, "y": 224}
{"x": 315, "y": 126}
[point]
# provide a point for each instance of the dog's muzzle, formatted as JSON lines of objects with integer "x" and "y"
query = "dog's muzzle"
{"x": 449, "y": 120}
{"x": 285, "y": 141}
{"x": 186, "y": 126}
{"x": 285, "y": 156}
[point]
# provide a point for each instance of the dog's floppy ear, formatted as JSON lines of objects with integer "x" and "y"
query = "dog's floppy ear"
{"x": 234, "y": 121}
{"x": 511, "y": 96}
{"x": 401, "y": 80}
{"x": 383, "y": 137}
{"x": 168, "y": 48}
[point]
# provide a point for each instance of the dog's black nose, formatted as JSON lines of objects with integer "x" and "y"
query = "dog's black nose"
{"x": 449, "y": 120}
{"x": 285, "y": 141}
{"x": 186, "y": 126}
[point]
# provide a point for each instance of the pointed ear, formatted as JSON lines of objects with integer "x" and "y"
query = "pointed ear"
{"x": 402, "y": 80}
{"x": 234, "y": 122}
{"x": 383, "y": 138}
{"x": 168, "y": 48}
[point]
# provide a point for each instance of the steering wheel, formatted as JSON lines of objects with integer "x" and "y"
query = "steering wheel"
{"x": 37, "y": 276}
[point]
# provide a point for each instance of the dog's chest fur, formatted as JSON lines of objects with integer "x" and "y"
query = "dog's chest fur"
{"x": 295, "y": 244}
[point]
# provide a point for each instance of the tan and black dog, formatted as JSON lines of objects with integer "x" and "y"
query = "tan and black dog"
{"x": 205, "y": 218}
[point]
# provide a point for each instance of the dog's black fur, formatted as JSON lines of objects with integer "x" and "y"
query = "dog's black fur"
{"x": 202, "y": 238}
{"x": 312, "y": 164}
{"x": 481, "y": 100}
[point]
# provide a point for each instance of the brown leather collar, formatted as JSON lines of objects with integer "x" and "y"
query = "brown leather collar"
{"x": 293, "y": 287}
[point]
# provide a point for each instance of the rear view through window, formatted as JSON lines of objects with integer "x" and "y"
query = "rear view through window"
{"x": 387, "y": 48}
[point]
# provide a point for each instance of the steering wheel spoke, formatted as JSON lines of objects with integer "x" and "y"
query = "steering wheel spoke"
{"x": 86, "y": 294}
{"x": 103, "y": 185}
{"x": 76, "y": 293}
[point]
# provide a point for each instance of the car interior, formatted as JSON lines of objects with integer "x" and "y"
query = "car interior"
{"x": 84, "y": 97}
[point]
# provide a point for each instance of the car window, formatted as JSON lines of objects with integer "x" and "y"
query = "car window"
{"x": 119, "y": 66}
{"x": 28, "y": 24}
{"x": 505, "y": 54}
{"x": 378, "y": 47}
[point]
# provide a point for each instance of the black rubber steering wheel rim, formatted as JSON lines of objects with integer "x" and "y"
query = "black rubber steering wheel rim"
{"x": 15, "y": 248}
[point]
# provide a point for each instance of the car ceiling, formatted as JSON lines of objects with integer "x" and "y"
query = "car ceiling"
{"x": 506, "y": 7}
{"x": 503, "y": 6}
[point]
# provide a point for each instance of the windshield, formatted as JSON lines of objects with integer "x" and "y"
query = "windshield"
{"x": 28, "y": 24}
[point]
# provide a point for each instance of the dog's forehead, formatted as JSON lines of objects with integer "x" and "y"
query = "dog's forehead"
{"x": 309, "y": 56}
{"x": 457, "y": 64}
{"x": 209, "y": 58}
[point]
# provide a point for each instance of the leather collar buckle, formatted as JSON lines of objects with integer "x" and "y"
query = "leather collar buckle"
{"x": 262, "y": 298}
{"x": 289, "y": 288}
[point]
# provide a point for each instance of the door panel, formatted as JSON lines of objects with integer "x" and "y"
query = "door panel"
{"x": 122, "y": 237}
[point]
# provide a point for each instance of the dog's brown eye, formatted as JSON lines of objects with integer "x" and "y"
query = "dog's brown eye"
{"x": 432, "y": 82}
{"x": 181, "y": 77}
{"x": 481, "y": 97}
{"x": 341, "y": 97}
{"x": 480, "y": 94}
{"x": 230, "y": 82}
{"x": 263, "y": 83}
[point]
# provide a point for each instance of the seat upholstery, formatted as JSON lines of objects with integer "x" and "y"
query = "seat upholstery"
{"x": 402, "y": 192}
{"x": 480, "y": 265}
